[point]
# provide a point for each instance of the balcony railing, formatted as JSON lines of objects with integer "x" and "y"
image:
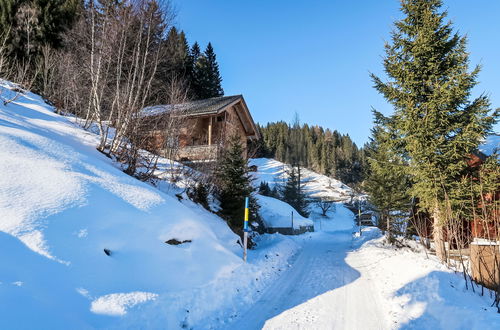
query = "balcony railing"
{"x": 201, "y": 152}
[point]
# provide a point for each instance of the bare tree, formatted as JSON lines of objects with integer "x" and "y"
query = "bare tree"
{"x": 324, "y": 205}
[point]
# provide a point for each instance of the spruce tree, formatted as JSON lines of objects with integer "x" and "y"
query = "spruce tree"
{"x": 264, "y": 189}
{"x": 176, "y": 64}
{"x": 388, "y": 182}
{"x": 207, "y": 77}
{"x": 233, "y": 185}
{"x": 195, "y": 52}
{"x": 293, "y": 192}
{"x": 430, "y": 87}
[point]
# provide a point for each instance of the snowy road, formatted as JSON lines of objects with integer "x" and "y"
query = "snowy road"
{"x": 319, "y": 291}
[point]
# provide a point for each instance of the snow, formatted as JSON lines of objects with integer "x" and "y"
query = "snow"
{"x": 340, "y": 219}
{"x": 491, "y": 145}
{"x": 316, "y": 185}
{"x": 278, "y": 214}
{"x": 62, "y": 203}
{"x": 338, "y": 281}
{"x": 118, "y": 303}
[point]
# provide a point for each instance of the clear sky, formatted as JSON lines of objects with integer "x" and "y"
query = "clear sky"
{"x": 314, "y": 57}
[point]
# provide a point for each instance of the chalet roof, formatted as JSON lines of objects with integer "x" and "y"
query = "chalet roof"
{"x": 213, "y": 105}
{"x": 207, "y": 107}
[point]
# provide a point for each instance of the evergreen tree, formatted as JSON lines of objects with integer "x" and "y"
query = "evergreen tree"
{"x": 233, "y": 185}
{"x": 199, "y": 194}
{"x": 34, "y": 23}
{"x": 430, "y": 86}
{"x": 264, "y": 189}
{"x": 293, "y": 192}
{"x": 177, "y": 57}
{"x": 388, "y": 182}
{"x": 207, "y": 79}
{"x": 174, "y": 68}
{"x": 195, "y": 52}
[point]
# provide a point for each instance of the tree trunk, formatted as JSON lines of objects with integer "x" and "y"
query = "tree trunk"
{"x": 438, "y": 235}
{"x": 388, "y": 228}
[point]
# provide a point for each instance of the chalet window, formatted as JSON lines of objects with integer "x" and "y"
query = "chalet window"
{"x": 220, "y": 118}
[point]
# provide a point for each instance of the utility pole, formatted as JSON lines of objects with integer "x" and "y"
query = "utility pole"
{"x": 292, "y": 221}
{"x": 245, "y": 231}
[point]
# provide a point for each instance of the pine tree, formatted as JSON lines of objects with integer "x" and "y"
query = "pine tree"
{"x": 388, "y": 182}
{"x": 293, "y": 192}
{"x": 199, "y": 194}
{"x": 195, "y": 52}
{"x": 176, "y": 62}
{"x": 233, "y": 185}
{"x": 206, "y": 75}
{"x": 35, "y": 23}
{"x": 430, "y": 86}
{"x": 264, "y": 189}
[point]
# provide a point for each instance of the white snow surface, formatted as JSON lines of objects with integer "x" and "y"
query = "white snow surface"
{"x": 276, "y": 213}
{"x": 316, "y": 185}
{"x": 118, "y": 303}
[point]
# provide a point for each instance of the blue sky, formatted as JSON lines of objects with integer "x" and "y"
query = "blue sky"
{"x": 314, "y": 57}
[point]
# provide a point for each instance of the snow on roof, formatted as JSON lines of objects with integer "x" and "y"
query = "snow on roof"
{"x": 199, "y": 107}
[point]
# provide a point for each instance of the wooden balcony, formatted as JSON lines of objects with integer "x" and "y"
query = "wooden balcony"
{"x": 197, "y": 153}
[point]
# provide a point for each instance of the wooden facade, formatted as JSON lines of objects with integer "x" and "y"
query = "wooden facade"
{"x": 199, "y": 130}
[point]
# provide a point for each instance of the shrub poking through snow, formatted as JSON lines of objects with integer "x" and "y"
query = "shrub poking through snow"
{"x": 199, "y": 194}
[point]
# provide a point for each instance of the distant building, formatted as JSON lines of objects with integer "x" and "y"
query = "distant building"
{"x": 198, "y": 130}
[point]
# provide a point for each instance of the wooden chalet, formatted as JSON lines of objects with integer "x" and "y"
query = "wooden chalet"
{"x": 479, "y": 237}
{"x": 198, "y": 130}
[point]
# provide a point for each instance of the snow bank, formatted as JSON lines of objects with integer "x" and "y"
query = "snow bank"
{"x": 419, "y": 292}
{"x": 278, "y": 214}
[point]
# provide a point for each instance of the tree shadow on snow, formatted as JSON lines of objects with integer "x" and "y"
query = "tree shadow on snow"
{"x": 319, "y": 268}
{"x": 439, "y": 300}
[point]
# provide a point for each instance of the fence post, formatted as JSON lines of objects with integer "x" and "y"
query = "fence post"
{"x": 245, "y": 231}
{"x": 359, "y": 216}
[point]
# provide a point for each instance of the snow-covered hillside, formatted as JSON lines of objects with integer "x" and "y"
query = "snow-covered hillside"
{"x": 316, "y": 185}
{"x": 62, "y": 203}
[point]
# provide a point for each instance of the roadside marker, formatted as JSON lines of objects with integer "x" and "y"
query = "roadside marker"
{"x": 245, "y": 231}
